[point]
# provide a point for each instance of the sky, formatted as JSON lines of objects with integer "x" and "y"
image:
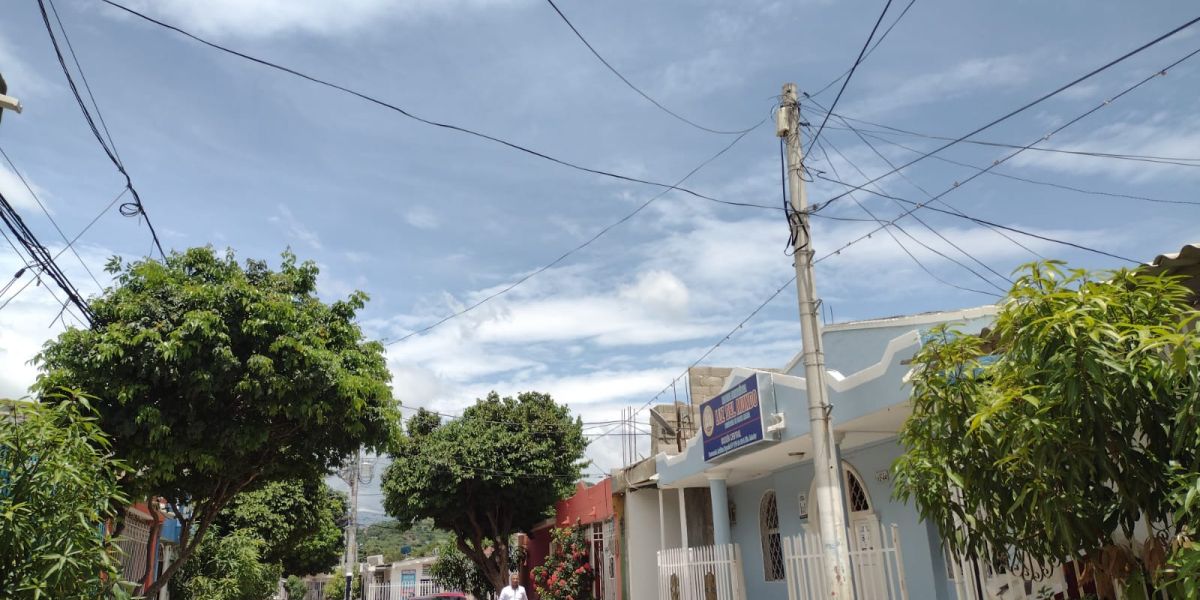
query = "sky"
{"x": 428, "y": 221}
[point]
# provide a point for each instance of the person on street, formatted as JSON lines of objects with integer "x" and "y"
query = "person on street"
{"x": 514, "y": 590}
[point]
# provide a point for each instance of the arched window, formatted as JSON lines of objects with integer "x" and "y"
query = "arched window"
{"x": 856, "y": 493}
{"x": 772, "y": 546}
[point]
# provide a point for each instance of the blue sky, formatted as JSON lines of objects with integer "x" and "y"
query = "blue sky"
{"x": 426, "y": 221}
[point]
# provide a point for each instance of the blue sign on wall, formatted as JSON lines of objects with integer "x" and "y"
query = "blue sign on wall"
{"x": 732, "y": 420}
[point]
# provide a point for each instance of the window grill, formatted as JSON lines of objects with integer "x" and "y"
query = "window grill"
{"x": 858, "y": 495}
{"x": 132, "y": 543}
{"x": 772, "y": 546}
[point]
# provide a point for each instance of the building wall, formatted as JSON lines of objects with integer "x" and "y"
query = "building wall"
{"x": 640, "y": 544}
{"x": 919, "y": 543}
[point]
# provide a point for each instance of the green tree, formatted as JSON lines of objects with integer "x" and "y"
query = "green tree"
{"x": 335, "y": 588}
{"x": 454, "y": 571}
{"x": 566, "y": 574}
{"x": 58, "y": 486}
{"x": 213, "y": 377}
{"x": 227, "y": 567}
{"x": 495, "y": 471}
{"x": 300, "y": 523}
{"x": 296, "y": 588}
{"x": 1062, "y": 426}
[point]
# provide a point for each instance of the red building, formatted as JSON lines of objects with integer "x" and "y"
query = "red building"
{"x": 591, "y": 508}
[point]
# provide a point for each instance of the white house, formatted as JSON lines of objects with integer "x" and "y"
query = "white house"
{"x": 732, "y": 515}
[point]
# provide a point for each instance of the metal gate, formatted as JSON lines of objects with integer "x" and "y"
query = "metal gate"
{"x": 876, "y": 565}
{"x": 703, "y": 573}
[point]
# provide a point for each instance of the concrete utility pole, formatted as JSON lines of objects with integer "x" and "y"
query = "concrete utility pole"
{"x": 353, "y": 473}
{"x": 827, "y": 472}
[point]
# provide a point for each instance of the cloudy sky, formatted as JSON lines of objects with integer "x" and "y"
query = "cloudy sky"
{"x": 429, "y": 221}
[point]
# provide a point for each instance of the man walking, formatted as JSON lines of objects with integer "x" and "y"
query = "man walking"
{"x": 514, "y": 590}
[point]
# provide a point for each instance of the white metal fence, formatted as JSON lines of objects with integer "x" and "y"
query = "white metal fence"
{"x": 703, "y": 573}
{"x": 400, "y": 590}
{"x": 877, "y": 570}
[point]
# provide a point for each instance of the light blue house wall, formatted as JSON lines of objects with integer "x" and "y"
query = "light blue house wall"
{"x": 869, "y": 364}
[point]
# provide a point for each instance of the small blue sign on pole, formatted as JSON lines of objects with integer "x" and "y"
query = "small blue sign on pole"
{"x": 732, "y": 420}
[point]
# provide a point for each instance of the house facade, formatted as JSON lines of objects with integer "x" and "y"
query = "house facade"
{"x": 592, "y": 509}
{"x": 733, "y": 514}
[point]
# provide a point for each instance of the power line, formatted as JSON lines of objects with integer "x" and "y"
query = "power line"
{"x": 893, "y": 130}
{"x": 915, "y": 206}
{"x": 925, "y": 205}
{"x": 1029, "y": 105}
{"x": 577, "y": 248}
{"x": 60, "y": 252}
{"x": 131, "y": 209}
{"x": 41, "y": 257}
{"x": 850, "y": 73}
{"x": 914, "y": 258}
{"x": 83, "y": 77}
{"x": 889, "y": 163}
{"x": 630, "y": 84}
{"x": 920, "y": 220}
{"x": 49, "y": 216}
{"x": 721, "y": 341}
{"x": 1014, "y": 153}
{"x": 869, "y": 50}
{"x": 1020, "y": 178}
{"x": 431, "y": 123}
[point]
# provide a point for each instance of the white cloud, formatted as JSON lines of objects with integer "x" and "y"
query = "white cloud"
{"x": 16, "y": 192}
{"x": 264, "y": 18}
{"x": 1161, "y": 134}
{"x": 295, "y": 229}
{"x": 23, "y": 81}
{"x": 970, "y": 76}
{"x": 421, "y": 218}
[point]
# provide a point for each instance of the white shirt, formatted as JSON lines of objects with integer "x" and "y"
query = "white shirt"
{"x": 508, "y": 593}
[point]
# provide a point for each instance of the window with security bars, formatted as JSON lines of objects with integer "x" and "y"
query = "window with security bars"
{"x": 857, "y": 493}
{"x": 132, "y": 542}
{"x": 772, "y": 545}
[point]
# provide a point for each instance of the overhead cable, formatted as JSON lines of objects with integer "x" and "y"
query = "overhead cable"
{"x": 869, "y": 50}
{"x": 850, "y": 73}
{"x": 1029, "y": 180}
{"x": 630, "y": 84}
{"x": 1033, "y": 103}
{"x": 42, "y": 259}
{"x": 821, "y": 145}
{"x": 577, "y": 248}
{"x": 893, "y": 130}
{"x": 927, "y": 194}
{"x": 61, "y": 251}
{"x": 430, "y": 122}
{"x": 130, "y": 209}
{"x": 46, "y": 212}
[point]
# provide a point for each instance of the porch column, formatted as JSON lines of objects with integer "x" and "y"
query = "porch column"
{"x": 662, "y": 523}
{"x": 683, "y": 536}
{"x": 720, "y": 507}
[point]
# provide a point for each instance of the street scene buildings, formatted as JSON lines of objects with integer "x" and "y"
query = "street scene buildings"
{"x": 551, "y": 300}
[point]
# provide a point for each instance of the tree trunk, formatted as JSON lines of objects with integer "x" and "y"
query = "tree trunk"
{"x": 189, "y": 545}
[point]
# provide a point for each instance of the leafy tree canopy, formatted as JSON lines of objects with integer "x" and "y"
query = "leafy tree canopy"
{"x": 300, "y": 523}
{"x": 227, "y": 567}
{"x": 495, "y": 471}
{"x": 454, "y": 571}
{"x": 1051, "y": 435}
{"x": 213, "y": 376}
{"x": 57, "y": 488}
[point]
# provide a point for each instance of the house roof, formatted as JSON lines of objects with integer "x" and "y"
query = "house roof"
{"x": 1185, "y": 263}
